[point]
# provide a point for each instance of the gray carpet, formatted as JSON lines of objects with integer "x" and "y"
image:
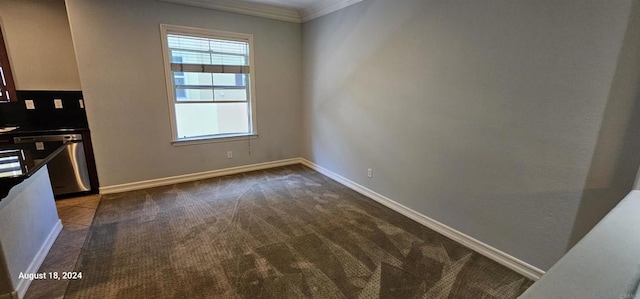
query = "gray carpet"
{"x": 285, "y": 232}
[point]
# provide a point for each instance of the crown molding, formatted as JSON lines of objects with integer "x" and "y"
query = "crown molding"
{"x": 318, "y": 9}
{"x": 324, "y": 7}
{"x": 252, "y": 9}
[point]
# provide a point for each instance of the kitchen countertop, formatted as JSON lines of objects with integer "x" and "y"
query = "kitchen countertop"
{"x": 31, "y": 130}
{"x": 17, "y": 163}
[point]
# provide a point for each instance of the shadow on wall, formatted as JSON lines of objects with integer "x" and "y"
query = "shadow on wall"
{"x": 617, "y": 154}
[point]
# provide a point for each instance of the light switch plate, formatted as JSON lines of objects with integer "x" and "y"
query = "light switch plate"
{"x": 40, "y": 146}
{"x": 57, "y": 103}
{"x": 81, "y": 101}
{"x": 30, "y": 105}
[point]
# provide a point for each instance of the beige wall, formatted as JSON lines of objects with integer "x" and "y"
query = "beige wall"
{"x": 38, "y": 40}
{"x": 510, "y": 121}
{"x": 121, "y": 68}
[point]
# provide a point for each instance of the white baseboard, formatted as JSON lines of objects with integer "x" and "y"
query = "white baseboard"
{"x": 195, "y": 176}
{"x": 24, "y": 284}
{"x": 478, "y": 246}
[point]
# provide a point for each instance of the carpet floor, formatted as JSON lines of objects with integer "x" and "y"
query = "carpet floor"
{"x": 286, "y": 232}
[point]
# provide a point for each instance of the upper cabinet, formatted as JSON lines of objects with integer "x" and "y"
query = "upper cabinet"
{"x": 7, "y": 87}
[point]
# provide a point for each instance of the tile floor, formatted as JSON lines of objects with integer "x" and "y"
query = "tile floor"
{"x": 76, "y": 215}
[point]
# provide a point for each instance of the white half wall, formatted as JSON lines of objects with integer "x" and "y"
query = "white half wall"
{"x": 119, "y": 53}
{"x": 604, "y": 264}
{"x": 29, "y": 223}
{"x": 507, "y": 121}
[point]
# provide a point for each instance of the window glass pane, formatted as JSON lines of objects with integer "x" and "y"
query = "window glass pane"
{"x": 181, "y": 94}
{"x": 194, "y": 95}
{"x": 188, "y": 42}
{"x": 241, "y": 79}
{"x": 223, "y": 87}
{"x": 226, "y": 80}
{"x": 233, "y": 118}
{"x": 195, "y": 120}
{"x": 194, "y": 79}
{"x": 221, "y": 94}
{"x": 210, "y": 95}
{"x": 227, "y": 46}
{"x": 178, "y": 56}
{"x": 228, "y": 59}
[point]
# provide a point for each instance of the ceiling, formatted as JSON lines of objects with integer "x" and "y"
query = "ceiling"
{"x": 297, "y": 11}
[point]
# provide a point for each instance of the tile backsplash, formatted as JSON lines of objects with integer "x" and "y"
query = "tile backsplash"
{"x": 45, "y": 115}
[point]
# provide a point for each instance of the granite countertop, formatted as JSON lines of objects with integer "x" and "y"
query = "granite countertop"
{"x": 35, "y": 130}
{"x": 20, "y": 161}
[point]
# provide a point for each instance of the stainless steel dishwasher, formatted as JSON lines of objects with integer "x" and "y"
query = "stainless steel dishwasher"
{"x": 68, "y": 171}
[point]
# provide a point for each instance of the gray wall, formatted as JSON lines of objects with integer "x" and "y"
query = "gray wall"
{"x": 121, "y": 68}
{"x": 615, "y": 159}
{"x": 631, "y": 49}
{"x": 38, "y": 40}
{"x": 506, "y": 120}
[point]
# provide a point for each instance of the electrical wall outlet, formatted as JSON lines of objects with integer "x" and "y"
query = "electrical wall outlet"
{"x": 57, "y": 103}
{"x": 370, "y": 172}
{"x": 229, "y": 154}
{"x": 81, "y": 102}
{"x": 30, "y": 105}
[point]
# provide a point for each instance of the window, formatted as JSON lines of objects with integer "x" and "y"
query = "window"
{"x": 7, "y": 87}
{"x": 210, "y": 79}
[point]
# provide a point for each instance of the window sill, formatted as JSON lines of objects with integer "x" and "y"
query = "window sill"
{"x": 223, "y": 138}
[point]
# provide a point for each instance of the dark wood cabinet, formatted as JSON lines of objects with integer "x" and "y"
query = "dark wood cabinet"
{"x": 91, "y": 161}
{"x": 7, "y": 86}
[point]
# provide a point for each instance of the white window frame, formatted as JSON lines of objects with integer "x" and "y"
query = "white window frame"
{"x": 208, "y": 33}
